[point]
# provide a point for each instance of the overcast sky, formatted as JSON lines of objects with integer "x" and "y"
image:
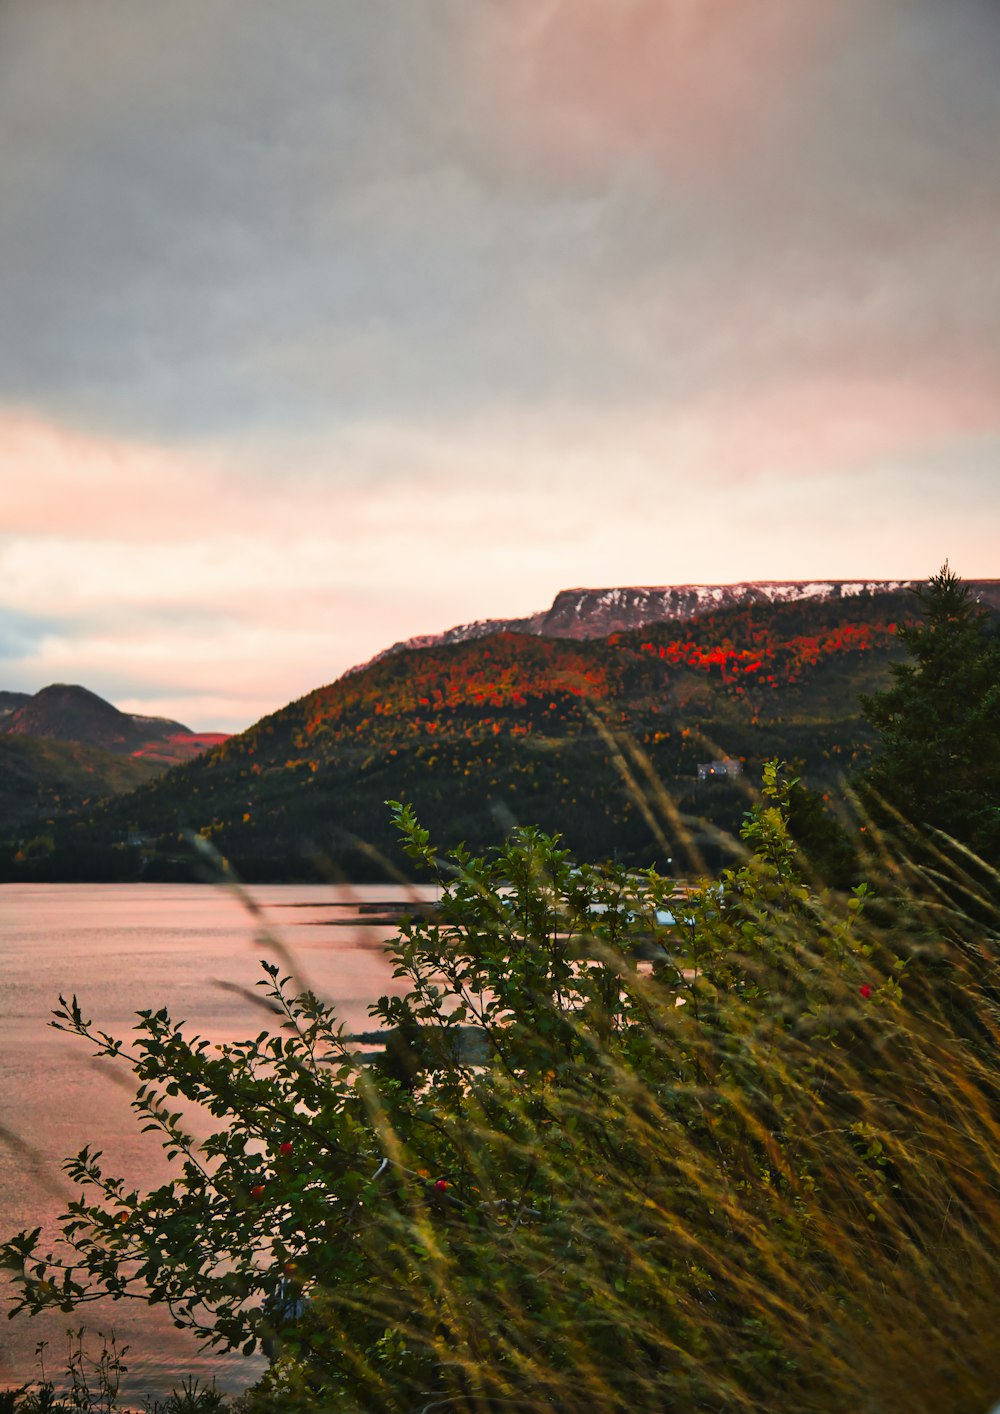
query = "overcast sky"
{"x": 329, "y": 322}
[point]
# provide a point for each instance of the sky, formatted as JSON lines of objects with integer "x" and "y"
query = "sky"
{"x": 328, "y": 323}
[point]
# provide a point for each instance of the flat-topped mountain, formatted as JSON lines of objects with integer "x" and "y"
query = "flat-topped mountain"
{"x": 516, "y": 726}
{"x": 594, "y": 613}
{"x": 583, "y": 733}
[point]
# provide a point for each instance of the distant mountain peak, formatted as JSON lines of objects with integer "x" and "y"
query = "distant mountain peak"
{"x": 583, "y": 613}
{"x": 71, "y": 713}
{"x": 68, "y": 712}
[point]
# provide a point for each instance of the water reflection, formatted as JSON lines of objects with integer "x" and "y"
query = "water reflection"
{"x": 119, "y": 947}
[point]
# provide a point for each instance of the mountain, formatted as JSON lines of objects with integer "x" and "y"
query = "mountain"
{"x": 594, "y": 613}
{"x": 10, "y": 701}
{"x": 591, "y": 737}
{"x": 66, "y": 712}
{"x": 64, "y": 749}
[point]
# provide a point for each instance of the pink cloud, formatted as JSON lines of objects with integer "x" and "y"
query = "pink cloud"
{"x": 222, "y": 590}
{"x": 837, "y": 424}
{"x": 583, "y": 84}
{"x": 59, "y": 481}
{"x": 66, "y": 482}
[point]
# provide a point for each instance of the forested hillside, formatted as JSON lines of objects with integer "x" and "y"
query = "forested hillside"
{"x": 64, "y": 749}
{"x": 40, "y": 777}
{"x": 514, "y": 728}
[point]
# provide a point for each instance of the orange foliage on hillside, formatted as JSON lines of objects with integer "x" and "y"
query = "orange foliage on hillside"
{"x": 514, "y": 668}
{"x": 775, "y": 660}
{"x": 517, "y": 683}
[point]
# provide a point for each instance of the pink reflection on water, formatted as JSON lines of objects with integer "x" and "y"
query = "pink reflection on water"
{"x": 120, "y": 948}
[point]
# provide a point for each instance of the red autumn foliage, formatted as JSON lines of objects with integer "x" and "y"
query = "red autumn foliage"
{"x": 517, "y": 684}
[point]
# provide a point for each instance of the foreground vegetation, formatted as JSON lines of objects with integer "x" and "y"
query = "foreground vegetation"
{"x": 758, "y": 1170}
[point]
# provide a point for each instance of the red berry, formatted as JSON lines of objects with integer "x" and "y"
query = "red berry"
{"x": 865, "y": 991}
{"x": 285, "y": 1148}
{"x": 441, "y": 1184}
{"x": 257, "y": 1191}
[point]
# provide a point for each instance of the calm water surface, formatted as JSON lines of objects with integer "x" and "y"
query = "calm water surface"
{"x": 121, "y": 947}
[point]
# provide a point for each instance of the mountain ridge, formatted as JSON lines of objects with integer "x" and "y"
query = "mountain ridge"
{"x": 484, "y": 732}
{"x": 518, "y": 726}
{"x": 64, "y": 748}
{"x": 70, "y": 713}
{"x": 587, "y": 613}
{"x": 10, "y": 701}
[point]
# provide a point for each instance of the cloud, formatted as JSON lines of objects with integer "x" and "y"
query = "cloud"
{"x": 20, "y": 633}
{"x": 580, "y": 86}
{"x": 138, "y": 589}
{"x": 327, "y": 323}
{"x": 245, "y": 223}
{"x": 59, "y": 481}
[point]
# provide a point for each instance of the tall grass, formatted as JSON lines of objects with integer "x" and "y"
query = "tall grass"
{"x": 767, "y": 1177}
{"x": 747, "y": 1162}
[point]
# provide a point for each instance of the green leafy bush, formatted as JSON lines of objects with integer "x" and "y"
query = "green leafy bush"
{"x": 745, "y": 1161}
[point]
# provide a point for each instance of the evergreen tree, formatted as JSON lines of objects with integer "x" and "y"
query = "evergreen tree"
{"x": 938, "y": 759}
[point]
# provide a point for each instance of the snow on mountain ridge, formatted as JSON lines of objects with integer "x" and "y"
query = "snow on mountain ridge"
{"x": 594, "y": 613}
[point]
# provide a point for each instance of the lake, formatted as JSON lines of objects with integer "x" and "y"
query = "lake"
{"x": 122, "y": 947}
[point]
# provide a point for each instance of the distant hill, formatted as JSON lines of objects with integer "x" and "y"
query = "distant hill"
{"x": 10, "y": 701}
{"x": 41, "y": 777}
{"x": 594, "y": 613}
{"x": 66, "y": 712}
{"x": 64, "y": 748}
{"x": 560, "y": 732}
